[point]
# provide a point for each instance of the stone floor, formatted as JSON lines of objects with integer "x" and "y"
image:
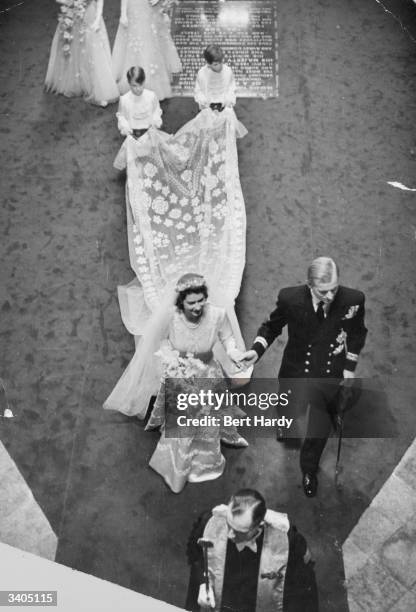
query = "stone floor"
{"x": 314, "y": 170}
{"x": 22, "y": 522}
{"x": 380, "y": 552}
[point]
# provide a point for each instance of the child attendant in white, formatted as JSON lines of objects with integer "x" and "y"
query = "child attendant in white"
{"x": 139, "y": 108}
{"x": 215, "y": 84}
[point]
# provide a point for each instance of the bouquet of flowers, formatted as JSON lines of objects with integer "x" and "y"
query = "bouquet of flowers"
{"x": 187, "y": 374}
{"x": 188, "y": 366}
{"x": 70, "y": 12}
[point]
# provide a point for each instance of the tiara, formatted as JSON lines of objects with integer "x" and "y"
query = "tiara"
{"x": 190, "y": 283}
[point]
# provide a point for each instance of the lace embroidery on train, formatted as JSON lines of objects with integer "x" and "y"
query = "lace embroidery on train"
{"x": 185, "y": 206}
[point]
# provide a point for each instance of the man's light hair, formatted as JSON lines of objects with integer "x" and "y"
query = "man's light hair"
{"x": 322, "y": 270}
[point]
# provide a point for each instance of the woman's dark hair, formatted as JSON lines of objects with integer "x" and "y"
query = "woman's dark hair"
{"x": 213, "y": 53}
{"x": 136, "y": 74}
{"x": 185, "y": 292}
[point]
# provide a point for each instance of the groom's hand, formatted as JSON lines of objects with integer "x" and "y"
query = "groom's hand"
{"x": 249, "y": 358}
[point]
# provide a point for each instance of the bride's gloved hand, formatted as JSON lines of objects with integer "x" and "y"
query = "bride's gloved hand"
{"x": 249, "y": 358}
{"x": 124, "y": 21}
{"x": 236, "y": 355}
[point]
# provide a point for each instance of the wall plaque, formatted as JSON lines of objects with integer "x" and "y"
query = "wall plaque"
{"x": 247, "y": 32}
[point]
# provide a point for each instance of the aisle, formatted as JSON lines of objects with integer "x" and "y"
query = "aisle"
{"x": 313, "y": 169}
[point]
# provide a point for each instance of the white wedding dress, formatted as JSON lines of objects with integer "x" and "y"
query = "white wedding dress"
{"x": 185, "y": 213}
{"x": 193, "y": 454}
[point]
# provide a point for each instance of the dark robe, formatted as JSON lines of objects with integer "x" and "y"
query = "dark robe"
{"x": 241, "y": 574}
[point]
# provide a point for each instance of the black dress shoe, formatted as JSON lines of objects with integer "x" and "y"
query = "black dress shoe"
{"x": 310, "y": 484}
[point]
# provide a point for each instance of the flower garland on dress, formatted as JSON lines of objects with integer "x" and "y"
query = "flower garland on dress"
{"x": 70, "y": 12}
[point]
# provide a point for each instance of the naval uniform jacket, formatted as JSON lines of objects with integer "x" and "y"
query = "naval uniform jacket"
{"x": 315, "y": 349}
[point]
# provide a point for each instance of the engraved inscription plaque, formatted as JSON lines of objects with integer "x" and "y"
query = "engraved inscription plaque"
{"x": 247, "y": 32}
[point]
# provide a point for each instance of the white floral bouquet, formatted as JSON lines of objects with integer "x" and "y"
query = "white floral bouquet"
{"x": 187, "y": 374}
{"x": 70, "y": 12}
{"x": 188, "y": 366}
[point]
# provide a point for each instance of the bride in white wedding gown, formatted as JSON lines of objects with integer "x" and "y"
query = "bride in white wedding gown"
{"x": 185, "y": 213}
{"x": 193, "y": 454}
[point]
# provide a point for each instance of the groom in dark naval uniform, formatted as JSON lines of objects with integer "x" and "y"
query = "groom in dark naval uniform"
{"x": 326, "y": 333}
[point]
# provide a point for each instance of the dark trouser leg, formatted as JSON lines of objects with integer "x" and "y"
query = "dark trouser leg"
{"x": 321, "y": 397}
{"x": 310, "y": 454}
{"x": 296, "y": 393}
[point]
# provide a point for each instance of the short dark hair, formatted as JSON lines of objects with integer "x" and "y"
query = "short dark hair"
{"x": 185, "y": 292}
{"x": 213, "y": 53}
{"x": 136, "y": 74}
{"x": 249, "y": 498}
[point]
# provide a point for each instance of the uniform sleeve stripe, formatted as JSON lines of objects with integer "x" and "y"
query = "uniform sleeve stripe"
{"x": 262, "y": 341}
{"x": 352, "y": 357}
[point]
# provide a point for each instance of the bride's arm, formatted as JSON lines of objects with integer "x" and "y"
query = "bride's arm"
{"x": 167, "y": 351}
{"x": 226, "y": 336}
{"x": 166, "y": 345}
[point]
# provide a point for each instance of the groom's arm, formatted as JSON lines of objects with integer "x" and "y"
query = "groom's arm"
{"x": 271, "y": 328}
